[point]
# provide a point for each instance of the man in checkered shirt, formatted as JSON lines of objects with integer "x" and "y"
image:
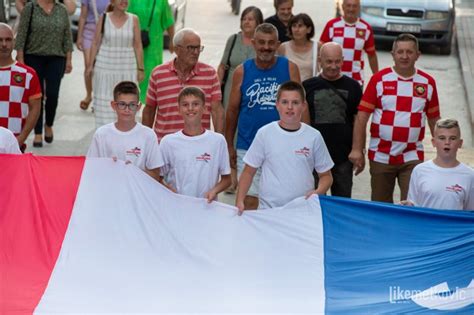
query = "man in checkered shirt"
{"x": 401, "y": 99}
{"x": 355, "y": 36}
{"x": 20, "y": 92}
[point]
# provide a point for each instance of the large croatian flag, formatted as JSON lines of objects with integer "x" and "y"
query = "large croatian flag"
{"x": 96, "y": 236}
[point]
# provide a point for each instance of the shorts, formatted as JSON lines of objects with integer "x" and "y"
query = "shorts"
{"x": 88, "y": 35}
{"x": 253, "y": 190}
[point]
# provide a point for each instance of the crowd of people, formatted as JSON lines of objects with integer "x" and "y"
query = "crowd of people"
{"x": 289, "y": 115}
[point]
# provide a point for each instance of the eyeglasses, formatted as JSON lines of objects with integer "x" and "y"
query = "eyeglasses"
{"x": 132, "y": 105}
{"x": 192, "y": 48}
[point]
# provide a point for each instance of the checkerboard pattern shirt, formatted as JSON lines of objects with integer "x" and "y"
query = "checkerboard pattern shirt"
{"x": 400, "y": 107}
{"x": 163, "y": 91}
{"x": 18, "y": 85}
{"x": 354, "y": 39}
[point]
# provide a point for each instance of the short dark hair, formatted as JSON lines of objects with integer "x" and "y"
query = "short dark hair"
{"x": 257, "y": 13}
{"x": 405, "y": 37}
{"x": 306, "y": 20}
{"x": 291, "y": 86}
{"x": 126, "y": 87}
{"x": 277, "y": 3}
{"x": 266, "y": 28}
{"x": 194, "y": 91}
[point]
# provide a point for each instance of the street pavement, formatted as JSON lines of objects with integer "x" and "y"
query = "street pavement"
{"x": 212, "y": 18}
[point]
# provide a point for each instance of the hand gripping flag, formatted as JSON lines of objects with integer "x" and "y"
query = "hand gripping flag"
{"x": 95, "y": 236}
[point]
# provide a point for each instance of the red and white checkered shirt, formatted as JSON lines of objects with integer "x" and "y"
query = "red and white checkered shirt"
{"x": 400, "y": 107}
{"x": 354, "y": 39}
{"x": 163, "y": 91}
{"x": 18, "y": 85}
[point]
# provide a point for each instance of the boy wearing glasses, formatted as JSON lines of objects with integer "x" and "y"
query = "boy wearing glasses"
{"x": 126, "y": 139}
{"x": 196, "y": 160}
{"x": 444, "y": 182}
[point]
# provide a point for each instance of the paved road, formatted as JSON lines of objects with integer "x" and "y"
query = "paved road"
{"x": 212, "y": 18}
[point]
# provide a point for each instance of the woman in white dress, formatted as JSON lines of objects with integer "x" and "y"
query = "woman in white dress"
{"x": 116, "y": 55}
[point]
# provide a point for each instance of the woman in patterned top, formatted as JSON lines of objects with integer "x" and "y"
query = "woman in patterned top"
{"x": 44, "y": 42}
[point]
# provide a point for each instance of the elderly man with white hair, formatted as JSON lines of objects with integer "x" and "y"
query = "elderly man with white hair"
{"x": 168, "y": 79}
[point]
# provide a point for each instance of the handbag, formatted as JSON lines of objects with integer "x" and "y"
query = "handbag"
{"x": 227, "y": 65}
{"x": 145, "y": 33}
{"x": 145, "y": 38}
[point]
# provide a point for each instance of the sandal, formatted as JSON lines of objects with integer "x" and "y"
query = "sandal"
{"x": 84, "y": 105}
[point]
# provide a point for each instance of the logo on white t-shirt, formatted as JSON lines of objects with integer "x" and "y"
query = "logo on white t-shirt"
{"x": 135, "y": 152}
{"x": 455, "y": 188}
{"x": 205, "y": 157}
{"x": 304, "y": 151}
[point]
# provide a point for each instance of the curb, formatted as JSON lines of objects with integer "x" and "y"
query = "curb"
{"x": 464, "y": 43}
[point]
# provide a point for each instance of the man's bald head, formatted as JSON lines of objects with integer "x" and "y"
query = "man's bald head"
{"x": 331, "y": 49}
{"x": 330, "y": 60}
{"x": 4, "y": 26}
{"x": 7, "y": 42}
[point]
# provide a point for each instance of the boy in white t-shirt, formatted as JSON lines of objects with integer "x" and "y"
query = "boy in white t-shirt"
{"x": 196, "y": 161}
{"x": 287, "y": 151}
{"x": 8, "y": 142}
{"x": 444, "y": 182}
{"x": 126, "y": 139}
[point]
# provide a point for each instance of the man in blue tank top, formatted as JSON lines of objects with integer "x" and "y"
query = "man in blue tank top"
{"x": 252, "y": 98}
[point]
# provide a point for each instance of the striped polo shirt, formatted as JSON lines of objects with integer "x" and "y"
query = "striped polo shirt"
{"x": 164, "y": 88}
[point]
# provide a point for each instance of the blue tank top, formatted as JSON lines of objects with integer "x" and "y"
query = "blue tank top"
{"x": 258, "y": 97}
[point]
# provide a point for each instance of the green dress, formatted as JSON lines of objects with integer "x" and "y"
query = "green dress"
{"x": 162, "y": 19}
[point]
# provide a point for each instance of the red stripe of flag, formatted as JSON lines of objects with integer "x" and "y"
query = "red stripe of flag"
{"x": 33, "y": 222}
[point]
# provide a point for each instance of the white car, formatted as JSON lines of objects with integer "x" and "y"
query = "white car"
{"x": 431, "y": 21}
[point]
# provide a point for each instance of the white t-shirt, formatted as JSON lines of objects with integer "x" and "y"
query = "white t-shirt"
{"x": 193, "y": 165}
{"x": 138, "y": 145}
{"x": 8, "y": 142}
{"x": 437, "y": 187}
{"x": 287, "y": 160}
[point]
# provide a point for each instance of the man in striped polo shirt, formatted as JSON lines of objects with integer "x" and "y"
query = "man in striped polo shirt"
{"x": 168, "y": 79}
{"x": 401, "y": 99}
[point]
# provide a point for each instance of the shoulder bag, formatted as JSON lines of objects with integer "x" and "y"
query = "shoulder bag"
{"x": 145, "y": 33}
{"x": 227, "y": 65}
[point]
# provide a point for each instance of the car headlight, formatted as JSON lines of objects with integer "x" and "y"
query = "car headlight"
{"x": 373, "y": 11}
{"x": 436, "y": 15}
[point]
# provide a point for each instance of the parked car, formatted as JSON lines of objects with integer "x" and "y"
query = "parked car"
{"x": 178, "y": 7}
{"x": 431, "y": 21}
